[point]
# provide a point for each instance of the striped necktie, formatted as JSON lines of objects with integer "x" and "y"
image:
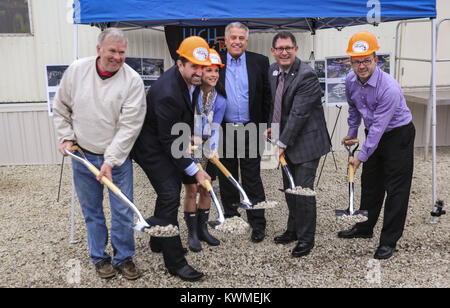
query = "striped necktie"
{"x": 278, "y": 98}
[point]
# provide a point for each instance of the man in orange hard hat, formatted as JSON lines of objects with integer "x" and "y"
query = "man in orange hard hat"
{"x": 169, "y": 102}
{"x": 387, "y": 153}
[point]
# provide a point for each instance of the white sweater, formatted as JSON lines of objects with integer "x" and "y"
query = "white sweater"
{"x": 102, "y": 116}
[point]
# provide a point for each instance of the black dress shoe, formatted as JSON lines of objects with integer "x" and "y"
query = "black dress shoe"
{"x": 285, "y": 238}
{"x": 187, "y": 273}
{"x": 257, "y": 235}
{"x": 302, "y": 249}
{"x": 355, "y": 233}
{"x": 384, "y": 252}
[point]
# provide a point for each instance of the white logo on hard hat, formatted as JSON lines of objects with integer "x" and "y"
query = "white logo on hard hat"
{"x": 200, "y": 53}
{"x": 214, "y": 58}
{"x": 360, "y": 46}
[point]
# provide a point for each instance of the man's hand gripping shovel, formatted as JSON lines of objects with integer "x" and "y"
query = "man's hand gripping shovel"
{"x": 153, "y": 225}
{"x": 350, "y": 211}
{"x": 293, "y": 190}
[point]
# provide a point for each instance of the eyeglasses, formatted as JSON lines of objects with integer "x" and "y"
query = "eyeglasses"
{"x": 281, "y": 49}
{"x": 365, "y": 62}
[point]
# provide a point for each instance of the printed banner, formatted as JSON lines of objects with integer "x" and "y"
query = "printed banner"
{"x": 337, "y": 69}
{"x": 214, "y": 35}
{"x": 150, "y": 69}
{"x": 53, "y": 75}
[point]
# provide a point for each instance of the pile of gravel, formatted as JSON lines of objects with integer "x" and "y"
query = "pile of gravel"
{"x": 35, "y": 248}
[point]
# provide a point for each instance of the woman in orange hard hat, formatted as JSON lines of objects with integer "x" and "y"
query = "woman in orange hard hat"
{"x": 209, "y": 111}
{"x": 387, "y": 152}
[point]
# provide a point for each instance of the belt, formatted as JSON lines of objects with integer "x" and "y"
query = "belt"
{"x": 236, "y": 124}
{"x": 393, "y": 130}
{"x": 91, "y": 153}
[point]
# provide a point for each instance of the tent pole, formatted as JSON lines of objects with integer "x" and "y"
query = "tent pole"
{"x": 433, "y": 100}
{"x": 314, "y": 45}
{"x": 72, "y": 216}
{"x": 75, "y": 42}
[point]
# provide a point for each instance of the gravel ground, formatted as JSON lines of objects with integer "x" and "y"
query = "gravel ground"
{"x": 35, "y": 248}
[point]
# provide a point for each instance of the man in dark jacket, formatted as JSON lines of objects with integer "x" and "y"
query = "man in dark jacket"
{"x": 248, "y": 104}
{"x": 169, "y": 105}
{"x": 303, "y": 137}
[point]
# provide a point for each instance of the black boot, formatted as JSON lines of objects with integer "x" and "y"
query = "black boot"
{"x": 203, "y": 233}
{"x": 191, "y": 219}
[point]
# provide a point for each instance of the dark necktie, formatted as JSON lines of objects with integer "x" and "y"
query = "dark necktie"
{"x": 278, "y": 98}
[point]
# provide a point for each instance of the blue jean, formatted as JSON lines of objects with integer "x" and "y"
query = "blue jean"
{"x": 90, "y": 195}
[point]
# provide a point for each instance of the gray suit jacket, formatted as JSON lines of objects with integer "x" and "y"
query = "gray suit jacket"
{"x": 302, "y": 126}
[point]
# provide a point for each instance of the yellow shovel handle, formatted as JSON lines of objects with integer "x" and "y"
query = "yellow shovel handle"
{"x": 207, "y": 183}
{"x": 283, "y": 160}
{"x": 104, "y": 179}
{"x": 219, "y": 165}
{"x": 351, "y": 172}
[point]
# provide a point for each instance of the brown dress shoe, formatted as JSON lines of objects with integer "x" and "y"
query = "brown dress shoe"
{"x": 105, "y": 269}
{"x": 128, "y": 270}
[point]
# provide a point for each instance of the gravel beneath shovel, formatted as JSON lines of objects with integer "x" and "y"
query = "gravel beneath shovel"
{"x": 35, "y": 248}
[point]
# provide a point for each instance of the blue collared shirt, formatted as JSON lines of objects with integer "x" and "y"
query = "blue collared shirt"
{"x": 236, "y": 85}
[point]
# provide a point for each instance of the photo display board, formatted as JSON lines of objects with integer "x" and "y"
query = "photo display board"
{"x": 150, "y": 69}
{"x": 319, "y": 67}
{"x": 53, "y": 74}
{"x": 336, "y": 71}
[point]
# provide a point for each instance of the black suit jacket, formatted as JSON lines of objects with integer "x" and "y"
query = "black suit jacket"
{"x": 258, "y": 85}
{"x": 302, "y": 126}
{"x": 168, "y": 103}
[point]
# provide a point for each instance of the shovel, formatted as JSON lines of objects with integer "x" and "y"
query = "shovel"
{"x": 221, "y": 217}
{"x": 350, "y": 211}
{"x": 294, "y": 190}
{"x": 154, "y": 223}
{"x": 245, "y": 204}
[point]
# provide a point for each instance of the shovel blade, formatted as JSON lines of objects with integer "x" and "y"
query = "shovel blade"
{"x": 346, "y": 212}
{"x": 243, "y": 205}
{"x": 214, "y": 224}
{"x": 297, "y": 193}
{"x": 140, "y": 227}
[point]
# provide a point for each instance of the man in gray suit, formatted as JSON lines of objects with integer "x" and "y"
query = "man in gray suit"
{"x": 297, "y": 114}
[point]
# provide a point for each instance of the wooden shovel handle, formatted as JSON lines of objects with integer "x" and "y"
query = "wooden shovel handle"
{"x": 104, "y": 179}
{"x": 351, "y": 172}
{"x": 350, "y": 142}
{"x": 207, "y": 183}
{"x": 219, "y": 165}
{"x": 283, "y": 160}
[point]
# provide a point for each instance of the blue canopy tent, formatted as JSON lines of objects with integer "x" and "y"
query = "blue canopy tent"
{"x": 263, "y": 14}
{"x": 260, "y": 15}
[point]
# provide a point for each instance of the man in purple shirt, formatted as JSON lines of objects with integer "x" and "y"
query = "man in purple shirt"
{"x": 387, "y": 153}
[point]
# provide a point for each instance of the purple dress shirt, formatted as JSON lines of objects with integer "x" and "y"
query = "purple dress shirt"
{"x": 380, "y": 103}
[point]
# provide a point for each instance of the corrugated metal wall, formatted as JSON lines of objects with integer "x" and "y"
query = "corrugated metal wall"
{"x": 27, "y": 133}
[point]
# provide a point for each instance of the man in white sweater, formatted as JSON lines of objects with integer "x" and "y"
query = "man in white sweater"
{"x": 100, "y": 106}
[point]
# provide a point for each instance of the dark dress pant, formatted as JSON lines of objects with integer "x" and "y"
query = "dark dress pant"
{"x": 302, "y": 209}
{"x": 168, "y": 189}
{"x": 388, "y": 172}
{"x": 241, "y": 156}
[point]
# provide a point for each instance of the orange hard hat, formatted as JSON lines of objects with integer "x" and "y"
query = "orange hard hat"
{"x": 195, "y": 49}
{"x": 214, "y": 57}
{"x": 362, "y": 44}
